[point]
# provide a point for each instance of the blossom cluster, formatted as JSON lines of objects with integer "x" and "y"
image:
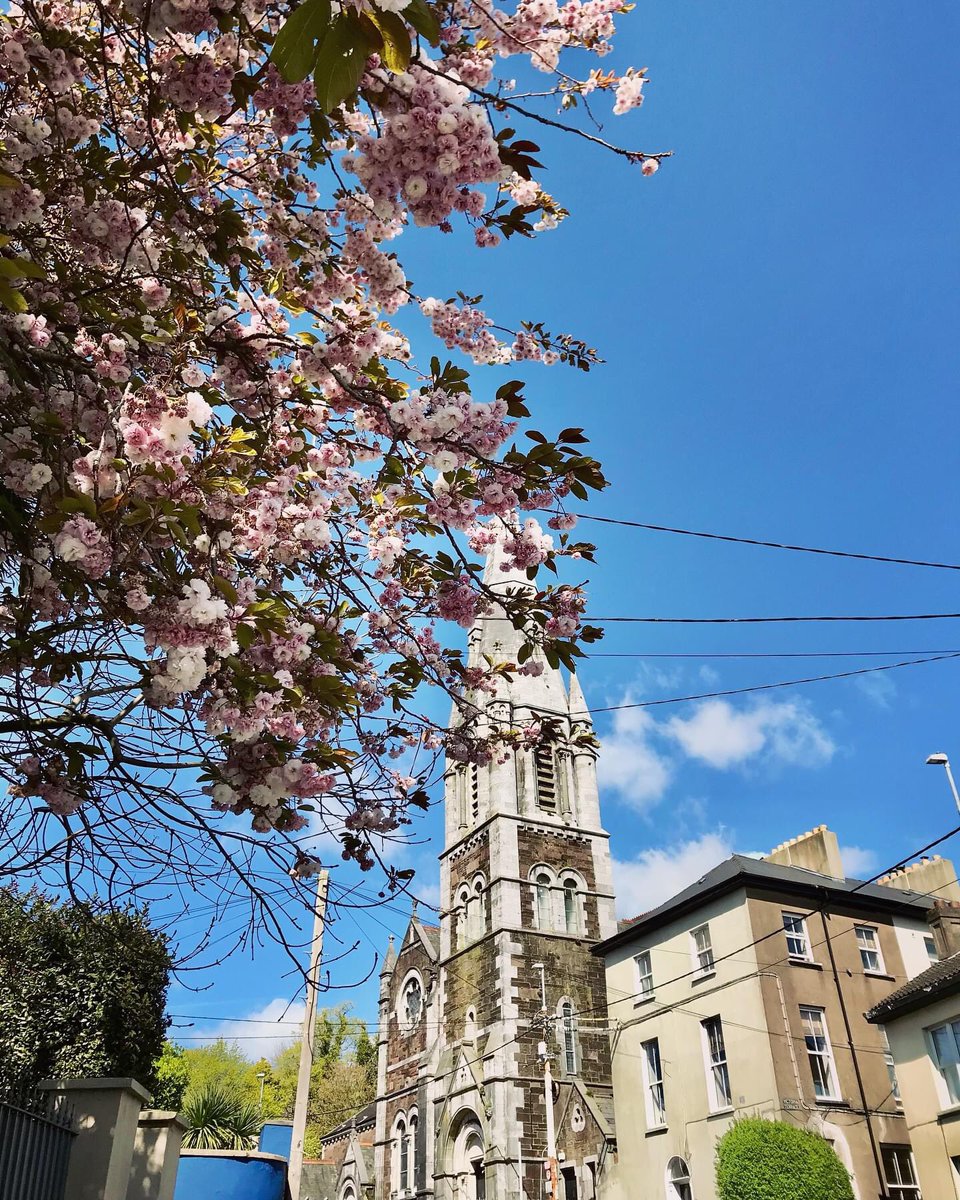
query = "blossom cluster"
{"x": 220, "y": 463}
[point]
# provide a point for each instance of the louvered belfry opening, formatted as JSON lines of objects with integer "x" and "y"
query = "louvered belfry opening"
{"x": 545, "y": 761}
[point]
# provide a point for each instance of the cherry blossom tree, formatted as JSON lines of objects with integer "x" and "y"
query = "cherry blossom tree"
{"x": 238, "y": 520}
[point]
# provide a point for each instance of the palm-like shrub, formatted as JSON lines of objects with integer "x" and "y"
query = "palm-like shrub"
{"x": 218, "y": 1119}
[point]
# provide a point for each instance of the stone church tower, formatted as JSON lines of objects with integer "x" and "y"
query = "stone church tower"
{"x": 525, "y": 880}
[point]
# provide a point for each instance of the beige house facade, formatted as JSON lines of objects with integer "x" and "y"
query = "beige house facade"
{"x": 922, "y": 1024}
{"x": 744, "y": 995}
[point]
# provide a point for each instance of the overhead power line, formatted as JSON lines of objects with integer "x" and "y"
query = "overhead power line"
{"x": 767, "y": 687}
{"x": 745, "y": 541}
{"x": 761, "y": 620}
{"x": 773, "y": 654}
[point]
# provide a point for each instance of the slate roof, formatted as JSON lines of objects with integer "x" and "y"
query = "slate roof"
{"x": 740, "y": 871}
{"x": 365, "y": 1117}
{"x": 940, "y": 980}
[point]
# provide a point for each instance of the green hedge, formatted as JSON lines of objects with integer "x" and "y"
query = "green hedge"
{"x": 81, "y": 993}
{"x": 770, "y": 1160}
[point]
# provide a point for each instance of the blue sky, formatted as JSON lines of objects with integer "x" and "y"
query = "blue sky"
{"x": 778, "y": 311}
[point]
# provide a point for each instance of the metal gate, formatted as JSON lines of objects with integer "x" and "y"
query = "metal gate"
{"x": 35, "y": 1138}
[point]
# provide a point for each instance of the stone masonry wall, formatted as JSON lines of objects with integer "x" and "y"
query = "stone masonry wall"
{"x": 557, "y": 851}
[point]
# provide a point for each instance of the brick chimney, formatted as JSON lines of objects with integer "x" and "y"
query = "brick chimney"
{"x": 816, "y": 850}
{"x": 934, "y": 877}
{"x": 944, "y": 921}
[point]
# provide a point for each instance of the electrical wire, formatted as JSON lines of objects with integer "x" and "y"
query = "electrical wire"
{"x": 766, "y": 687}
{"x": 745, "y": 541}
{"x": 947, "y": 616}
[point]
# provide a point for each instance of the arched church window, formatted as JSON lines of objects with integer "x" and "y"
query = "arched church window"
{"x": 568, "y": 1032}
{"x": 544, "y": 894}
{"x": 678, "y": 1180}
{"x": 400, "y": 1156}
{"x": 462, "y": 915}
{"x": 571, "y": 906}
{"x": 411, "y": 1184}
{"x": 477, "y": 919}
{"x": 410, "y": 1008}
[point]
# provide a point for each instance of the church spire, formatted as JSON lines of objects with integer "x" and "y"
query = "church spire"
{"x": 579, "y": 713}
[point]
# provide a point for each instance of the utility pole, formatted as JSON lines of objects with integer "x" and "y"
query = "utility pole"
{"x": 550, "y": 1165}
{"x": 306, "y": 1046}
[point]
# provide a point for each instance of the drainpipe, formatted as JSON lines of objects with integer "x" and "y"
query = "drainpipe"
{"x": 853, "y": 1055}
{"x": 789, "y": 1035}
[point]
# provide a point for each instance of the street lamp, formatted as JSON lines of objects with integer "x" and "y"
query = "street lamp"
{"x": 262, "y": 1076}
{"x": 941, "y": 760}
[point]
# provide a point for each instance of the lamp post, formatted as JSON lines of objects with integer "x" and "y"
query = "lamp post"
{"x": 941, "y": 760}
{"x": 262, "y": 1076}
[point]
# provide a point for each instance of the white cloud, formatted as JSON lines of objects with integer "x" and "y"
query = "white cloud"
{"x": 657, "y": 874}
{"x": 878, "y": 688}
{"x": 628, "y": 764}
{"x": 262, "y": 1033}
{"x": 858, "y": 862}
{"x": 721, "y": 736}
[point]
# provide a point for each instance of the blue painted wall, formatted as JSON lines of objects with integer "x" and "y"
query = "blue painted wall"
{"x": 275, "y": 1138}
{"x": 244, "y": 1175}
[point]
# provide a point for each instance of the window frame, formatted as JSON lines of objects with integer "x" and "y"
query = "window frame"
{"x": 802, "y": 936}
{"x": 820, "y": 1055}
{"x": 949, "y": 1080}
{"x": 542, "y": 879}
{"x": 571, "y": 905}
{"x": 702, "y": 967}
{"x": 644, "y": 993}
{"x": 654, "y": 1093}
{"x": 406, "y": 1025}
{"x": 717, "y": 1067}
{"x": 930, "y": 945}
{"x": 900, "y": 1188}
{"x": 891, "y": 1066}
{"x": 875, "y": 949}
{"x": 568, "y": 1037}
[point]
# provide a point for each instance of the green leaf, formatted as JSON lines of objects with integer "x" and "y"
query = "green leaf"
{"x": 396, "y": 40}
{"x": 424, "y": 20}
{"x": 341, "y": 61}
{"x": 295, "y": 50}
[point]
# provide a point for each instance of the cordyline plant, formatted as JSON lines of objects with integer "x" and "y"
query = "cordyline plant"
{"x": 235, "y": 513}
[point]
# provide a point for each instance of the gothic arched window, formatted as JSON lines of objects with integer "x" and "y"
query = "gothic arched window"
{"x": 400, "y": 1158}
{"x": 568, "y": 1031}
{"x": 462, "y": 913}
{"x": 410, "y": 1006}
{"x": 477, "y": 916}
{"x": 411, "y": 1184}
{"x": 544, "y": 894}
{"x": 571, "y": 906}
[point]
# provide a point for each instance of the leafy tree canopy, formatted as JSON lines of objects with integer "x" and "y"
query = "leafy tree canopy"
{"x": 81, "y": 992}
{"x": 771, "y": 1160}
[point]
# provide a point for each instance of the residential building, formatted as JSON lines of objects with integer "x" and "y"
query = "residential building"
{"x": 744, "y": 995}
{"x": 921, "y": 1021}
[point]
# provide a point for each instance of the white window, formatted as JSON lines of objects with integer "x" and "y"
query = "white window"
{"x": 900, "y": 1173}
{"x": 891, "y": 1067}
{"x": 870, "y": 955}
{"x": 931, "y": 948}
{"x": 653, "y": 1084}
{"x": 569, "y": 1033}
{"x": 544, "y": 900}
{"x": 702, "y": 951}
{"x": 946, "y": 1049}
{"x": 463, "y": 916}
{"x": 476, "y": 910}
{"x": 644, "y": 975}
{"x": 678, "y": 1180}
{"x": 401, "y": 1156}
{"x": 715, "y": 1061}
{"x": 798, "y": 944}
{"x": 820, "y": 1053}
{"x": 571, "y": 906}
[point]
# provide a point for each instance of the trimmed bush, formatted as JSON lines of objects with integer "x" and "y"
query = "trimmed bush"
{"x": 770, "y": 1160}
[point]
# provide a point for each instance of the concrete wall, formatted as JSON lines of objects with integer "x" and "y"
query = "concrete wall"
{"x": 933, "y": 1123}
{"x": 732, "y": 993}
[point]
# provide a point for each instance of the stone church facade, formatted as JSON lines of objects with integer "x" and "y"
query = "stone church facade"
{"x": 468, "y": 1006}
